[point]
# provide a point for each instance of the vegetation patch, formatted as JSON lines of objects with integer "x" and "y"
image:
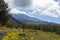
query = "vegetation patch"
{"x": 31, "y": 35}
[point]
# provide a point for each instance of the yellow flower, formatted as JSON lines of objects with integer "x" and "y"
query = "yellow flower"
{"x": 11, "y": 36}
{"x": 32, "y": 38}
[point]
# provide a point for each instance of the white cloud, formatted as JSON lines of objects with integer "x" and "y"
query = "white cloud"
{"x": 42, "y": 3}
{"x": 44, "y": 7}
{"x": 10, "y": 3}
{"x": 52, "y": 11}
{"x": 15, "y": 11}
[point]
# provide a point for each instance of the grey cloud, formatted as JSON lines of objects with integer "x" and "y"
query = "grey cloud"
{"x": 57, "y": 1}
{"x": 22, "y": 3}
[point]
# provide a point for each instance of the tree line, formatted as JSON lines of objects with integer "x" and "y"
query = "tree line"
{"x": 43, "y": 27}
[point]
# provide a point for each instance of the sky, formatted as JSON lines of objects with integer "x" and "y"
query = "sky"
{"x": 47, "y": 10}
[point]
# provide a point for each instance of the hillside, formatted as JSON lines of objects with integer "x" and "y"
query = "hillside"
{"x": 49, "y": 27}
{"x": 12, "y": 22}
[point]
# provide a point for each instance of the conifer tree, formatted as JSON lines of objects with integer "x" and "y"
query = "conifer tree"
{"x": 4, "y": 16}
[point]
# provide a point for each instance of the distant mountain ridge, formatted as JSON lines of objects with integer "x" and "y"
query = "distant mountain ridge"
{"x": 25, "y": 19}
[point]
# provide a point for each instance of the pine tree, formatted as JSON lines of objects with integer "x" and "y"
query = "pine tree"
{"x": 4, "y": 16}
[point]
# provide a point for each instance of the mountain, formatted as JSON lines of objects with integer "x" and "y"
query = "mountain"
{"x": 25, "y": 19}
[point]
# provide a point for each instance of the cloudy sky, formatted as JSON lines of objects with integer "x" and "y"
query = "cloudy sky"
{"x": 48, "y": 10}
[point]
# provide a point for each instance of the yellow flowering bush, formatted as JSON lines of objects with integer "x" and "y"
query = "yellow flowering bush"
{"x": 15, "y": 36}
{"x": 12, "y": 36}
{"x": 29, "y": 35}
{"x": 32, "y": 38}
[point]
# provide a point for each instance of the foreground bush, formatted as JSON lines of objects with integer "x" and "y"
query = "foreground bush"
{"x": 31, "y": 35}
{"x": 11, "y": 36}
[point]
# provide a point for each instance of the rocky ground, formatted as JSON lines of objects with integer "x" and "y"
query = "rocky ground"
{"x": 2, "y": 34}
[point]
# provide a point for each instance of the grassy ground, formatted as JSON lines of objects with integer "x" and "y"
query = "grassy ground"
{"x": 31, "y": 35}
